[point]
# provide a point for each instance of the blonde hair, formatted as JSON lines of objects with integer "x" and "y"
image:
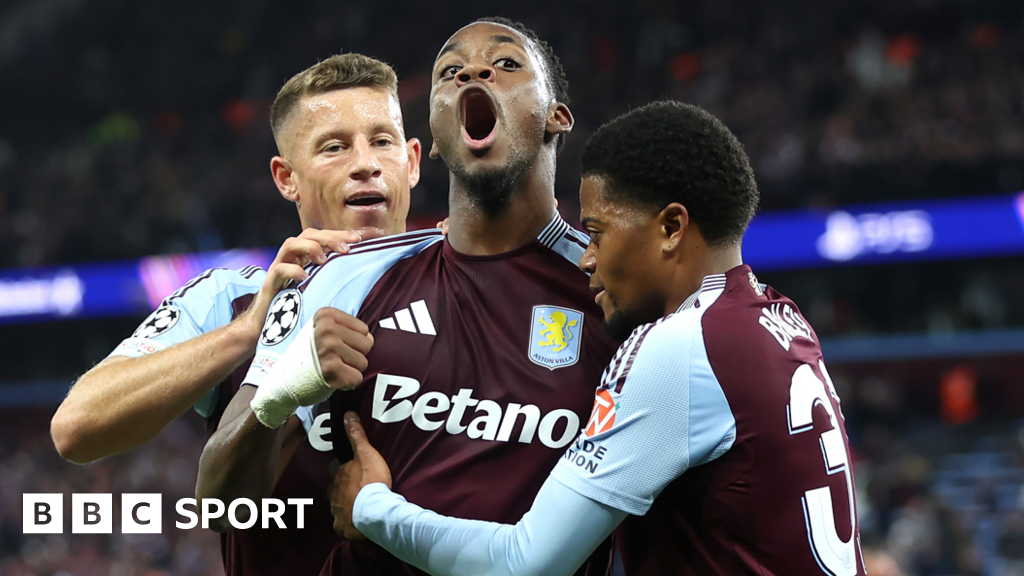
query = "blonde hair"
{"x": 335, "y": 73}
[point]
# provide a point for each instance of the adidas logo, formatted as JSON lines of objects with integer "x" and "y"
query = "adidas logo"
{"x": 405, "y": 320}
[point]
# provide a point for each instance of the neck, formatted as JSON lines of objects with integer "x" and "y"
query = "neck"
{"x": 694, "y": 265}
{"x": 531, "y": 208}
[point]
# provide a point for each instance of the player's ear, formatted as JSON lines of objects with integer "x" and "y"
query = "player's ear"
{"x": 560, "y": 120}
{"x": 284, "y": 178}
{"x": 415, "y": 152}
{"x": 673, "y": 222}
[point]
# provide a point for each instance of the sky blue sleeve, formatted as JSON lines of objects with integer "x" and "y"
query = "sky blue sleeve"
{"x": 658, "y": 413}
{"x": 555, "y": 537}
{"x": 343, "y": 282}
{"x": 200, "y": 306}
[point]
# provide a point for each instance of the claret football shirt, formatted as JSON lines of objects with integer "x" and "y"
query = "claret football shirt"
{"x": 719, "y": 430}
{"x": 482, "y": 371}
{"x": 716, "y": 443}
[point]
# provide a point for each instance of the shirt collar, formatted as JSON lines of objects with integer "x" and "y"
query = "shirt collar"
{"x": 553, "y": 231}
{"x": 710, "y": 282}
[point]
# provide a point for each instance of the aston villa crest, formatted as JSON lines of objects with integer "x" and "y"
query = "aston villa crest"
{"x": 555, "y": 336}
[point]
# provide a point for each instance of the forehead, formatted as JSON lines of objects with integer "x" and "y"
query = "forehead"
{"x": 352, "y": 106}
{"x": 592, "y": 189}
{"x": 487, "y": 33}
{"x": 599, "y": 203}
{"x": 592, "y": 197}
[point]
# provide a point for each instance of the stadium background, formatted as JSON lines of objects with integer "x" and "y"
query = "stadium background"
{"x": 131, "y": 129}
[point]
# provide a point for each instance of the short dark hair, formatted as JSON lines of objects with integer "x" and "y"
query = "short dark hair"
{"x": 673, "y": 152}
{"x": 555, "y": 72}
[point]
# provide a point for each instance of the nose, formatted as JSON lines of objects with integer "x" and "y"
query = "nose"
{"x": 588, "y": 262}
{"x": 365, "y": 166}
{"x": 475, "y": 71}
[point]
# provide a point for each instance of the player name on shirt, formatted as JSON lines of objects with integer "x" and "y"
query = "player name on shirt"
{"x": 719, "y": 430}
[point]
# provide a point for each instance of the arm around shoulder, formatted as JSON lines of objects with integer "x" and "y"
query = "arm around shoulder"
{"x": 122, "y": 403}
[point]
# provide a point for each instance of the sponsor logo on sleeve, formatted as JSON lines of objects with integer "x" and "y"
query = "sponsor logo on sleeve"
{"x": 263, "y": 363}
{"x": 555, "y": 336}
{"x": 602, "y": 418}
{"x": 138, "y": 346}
{"x": 586, "y": 455}
{"x": 283, "y": 317}
{"x": 161, "y": 320}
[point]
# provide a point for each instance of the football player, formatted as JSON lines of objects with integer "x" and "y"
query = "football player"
{"x": 716, "y": 443}
{"x": 485, "y": 346}
{"x": 346, "y": 164}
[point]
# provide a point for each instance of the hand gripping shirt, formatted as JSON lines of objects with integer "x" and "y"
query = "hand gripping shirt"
{"x": 716, "y": 428}
{"x": 482, "y": 371}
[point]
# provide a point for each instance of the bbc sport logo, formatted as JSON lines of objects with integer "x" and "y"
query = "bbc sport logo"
{"x": 143, "y": 513}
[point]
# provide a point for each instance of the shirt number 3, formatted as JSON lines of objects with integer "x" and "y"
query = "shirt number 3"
{"x": 835, "y": 556}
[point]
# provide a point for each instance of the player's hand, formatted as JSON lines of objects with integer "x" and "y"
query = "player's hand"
{"x": 327, "y": 354}
{"x": 311, "y": 246}
{"x": 443, "y": 225}
{"x": 342, "y": 343}
{"x": 366, "y": 467}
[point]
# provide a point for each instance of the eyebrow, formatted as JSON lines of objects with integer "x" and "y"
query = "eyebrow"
{"x": 502, "y": 39}
{"x": 449, "y": 48}
{"x": 343, "y": 134}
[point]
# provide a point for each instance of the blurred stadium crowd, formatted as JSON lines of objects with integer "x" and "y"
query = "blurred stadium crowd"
{"x": 168, "y": 465}
{"x": 135, "y": 128}
{"x": 139, "y": 128}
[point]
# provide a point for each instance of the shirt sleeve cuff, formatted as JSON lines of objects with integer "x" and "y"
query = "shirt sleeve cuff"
{"x": 372, "y": 503}
{"x": 626, "y": 502}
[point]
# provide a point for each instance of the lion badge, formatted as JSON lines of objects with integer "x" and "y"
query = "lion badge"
{"x": 555, "y": 336}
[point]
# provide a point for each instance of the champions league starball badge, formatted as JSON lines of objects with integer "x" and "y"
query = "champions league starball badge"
{"x": 283, "y": 317}
{"x": 161, "y": 320}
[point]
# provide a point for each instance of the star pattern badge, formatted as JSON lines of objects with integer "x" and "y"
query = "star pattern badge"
{"x": 283, "y": 317}
{"x": 161, "y": 320}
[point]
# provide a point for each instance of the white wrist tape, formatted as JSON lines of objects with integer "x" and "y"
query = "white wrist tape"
{"x": 297, "y": 380}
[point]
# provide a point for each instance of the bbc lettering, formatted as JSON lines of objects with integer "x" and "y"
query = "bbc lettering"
{"x": 142, "y": 513}
{"x": 43, "y": 514}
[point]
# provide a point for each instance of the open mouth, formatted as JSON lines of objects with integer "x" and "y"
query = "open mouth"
{"x": 366, "y": 199}
{"x": 479, "y": 121}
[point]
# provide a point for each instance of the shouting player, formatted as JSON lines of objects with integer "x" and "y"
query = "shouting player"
{"x": 716, "y": 443}
{"x": 345, "y": 163}
{"x": 485, "y": 347}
